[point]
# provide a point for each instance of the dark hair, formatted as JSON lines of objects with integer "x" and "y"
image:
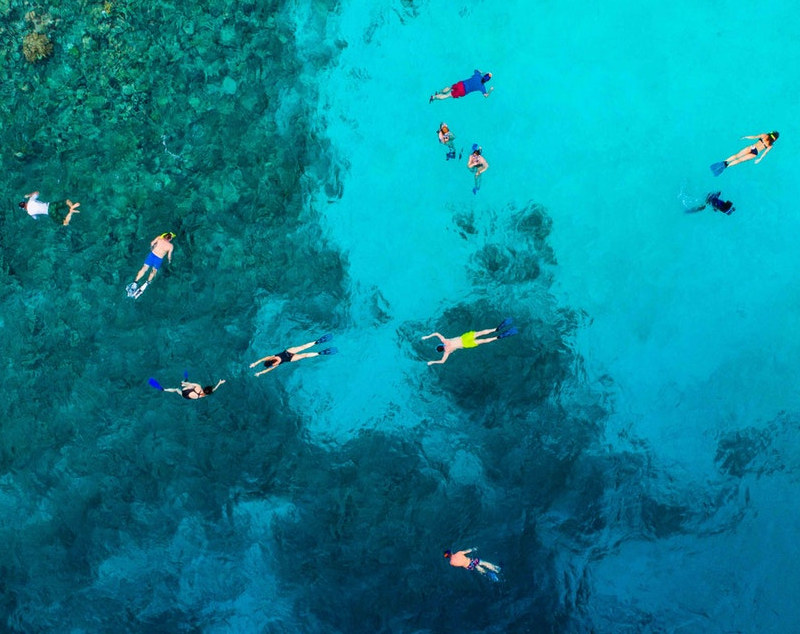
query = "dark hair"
{"x": 440, "y": 348}
{"x": 486, "y": 78}
{"x": 208, "y": 390}
{"x": 447, "y": 554}
{"x": 23, "y": 204}
{"x": 775, "y": 134}
{"x": 270, "y": 362}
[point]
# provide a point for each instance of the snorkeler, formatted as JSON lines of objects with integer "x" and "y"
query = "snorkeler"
{"x": 477, "y": 165}
{"x": 474, "y": 84}
{"x": 763, "y": 145}
{"x": 37, "y": 208}
{"x": 470, "y": 339}
{"x": 460, "y": 560}
{"x": 160, "y": 247}
{"x": 717, "y": 204}
{"x": 446, "y": 138}
{"x": 293, "y": 354}
{"x": 188, "y": 390}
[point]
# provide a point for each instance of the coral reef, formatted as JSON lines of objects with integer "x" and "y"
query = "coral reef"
{"x": 36, "y": 47}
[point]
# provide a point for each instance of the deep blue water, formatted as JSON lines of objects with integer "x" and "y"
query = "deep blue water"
{"x": 630, "y": 457}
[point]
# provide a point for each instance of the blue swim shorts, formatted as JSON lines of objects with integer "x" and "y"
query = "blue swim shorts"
{"x": 153, "y": 260}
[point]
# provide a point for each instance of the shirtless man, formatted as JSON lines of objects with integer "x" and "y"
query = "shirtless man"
{"x": 477, "y": 165}
{"x": 37, "y": 208}
{"x": 161, "y": 246}
{"x": 470, "y": 339}
{"x": 460, "y": 560}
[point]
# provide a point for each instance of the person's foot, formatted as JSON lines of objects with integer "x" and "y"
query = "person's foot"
{"x": 474, "y": 190}
{"x": 431, "y": 99}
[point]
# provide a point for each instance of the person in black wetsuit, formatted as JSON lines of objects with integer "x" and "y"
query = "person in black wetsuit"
{"x": 292, "y": 354}
{"x": 717, "y": 204}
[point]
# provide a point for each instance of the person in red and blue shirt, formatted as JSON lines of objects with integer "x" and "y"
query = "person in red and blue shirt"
{"x": 476, "y": 83}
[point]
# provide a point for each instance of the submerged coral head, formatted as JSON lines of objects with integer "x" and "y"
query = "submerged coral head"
{"x": 36, "y": 47}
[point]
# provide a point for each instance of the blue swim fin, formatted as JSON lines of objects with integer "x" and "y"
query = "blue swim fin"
{"x": 186, "y": 375}
{"x": 508, "y": 333}
{"x": 329, "y": 351}
{"x": 324, "y": 338}
{"x": 717, "y": 168}
{"x": 156, "y": 384}
{"x": 492, "y": 576}
{"x": 504, "y": 324}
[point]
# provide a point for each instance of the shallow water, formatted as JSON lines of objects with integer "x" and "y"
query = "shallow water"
{"x": 629, "y": 457}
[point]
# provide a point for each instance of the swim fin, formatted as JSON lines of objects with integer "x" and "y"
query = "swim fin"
{"x": 156, "y": 384}
{"x": 130, "y": 289}
{"x": 493, "y": 576}
{"x": 324, "y": 338}
{"x": 186, "y": 375}
{"x": 329, "y": 351}
{"x": 504, "y": 324}
{"x": 508, "y": 333}
{"x": 717, "y": 168}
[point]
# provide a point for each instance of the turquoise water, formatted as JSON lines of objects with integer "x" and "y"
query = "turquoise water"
{"x": 630, "y": 457}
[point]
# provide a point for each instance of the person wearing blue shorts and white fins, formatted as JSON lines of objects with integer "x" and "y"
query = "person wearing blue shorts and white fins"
{"x": 160, "y": 248}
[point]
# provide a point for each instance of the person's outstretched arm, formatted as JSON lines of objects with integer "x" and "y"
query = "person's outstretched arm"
{"x": 442, "y": 360}
{"x": 255, "y": 363}
{"x": 269, "y": 369}
{"x": 220, "y": 382}
{"x": 754, "y": 136}
{"x": 435, "y": 334}
{"x": 763, "y": 154}
{"x": 487, "y": 93}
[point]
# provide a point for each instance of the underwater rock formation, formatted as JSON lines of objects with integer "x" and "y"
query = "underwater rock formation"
{"x": 36, "y": 47}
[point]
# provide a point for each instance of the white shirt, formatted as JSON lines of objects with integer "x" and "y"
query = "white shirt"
{"x": 36, "y": 207}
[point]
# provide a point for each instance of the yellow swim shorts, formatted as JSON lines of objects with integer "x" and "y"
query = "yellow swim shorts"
{"x": 468, "y": 339}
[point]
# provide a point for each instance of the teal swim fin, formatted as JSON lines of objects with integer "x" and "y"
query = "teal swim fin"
{"x": 329, "y": 351}
{"x": 324, "y": 338}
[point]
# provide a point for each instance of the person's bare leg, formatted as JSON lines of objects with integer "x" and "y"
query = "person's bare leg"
{"x": 444, "y": 93}
{"x": 740, "y": 157}
{"x": 152, "y": 275}
{"x": 297, "y": 349}
{"x": 482, "y": 333}
{"x": 305, "y": 355}
{"x": 141, "y": 272}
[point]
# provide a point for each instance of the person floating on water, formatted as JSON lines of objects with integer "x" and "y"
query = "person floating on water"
{"x": 293, "y": 354}
{"x": 461, "y": 560}
{"x": 717, "y": 204}
{"x": 470, "y": 339}
{"x": 446, "y": 138}
{"x": 477, "y": 165}
{"x": 160, "y": 247}
{"x": 189, "y": 390}
{"x": 762, "y": 145}
{"x": 37, "y": 208}
{"x": 474, "y": 84}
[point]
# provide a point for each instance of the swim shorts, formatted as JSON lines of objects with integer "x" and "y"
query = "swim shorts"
{"x": 458, "y": 90}
{"x": 153, "y": 260}
{"x": 468, "y": 339}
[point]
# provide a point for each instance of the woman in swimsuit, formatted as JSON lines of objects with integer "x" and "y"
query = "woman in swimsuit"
{"x": 762, "y": 146}
{"x": 292, "y": 354}
{"x": 477, "y": 165}
{"x": 192, "y": 391}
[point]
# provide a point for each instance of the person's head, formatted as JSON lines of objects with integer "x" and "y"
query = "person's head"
{"x": 23, "y": 205}
{"x": 476, "y": 149}
{"x": 774, "y": 136}
{"x": 447, "y": 554}
{"x": 168, "y": 235}
{"x": 443, "y": 128}
{"x": 208, "y": 390}
{"x": 440, "y": 348}
{"x": 271, "y": 361}
{"x": 486, "y": 78}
